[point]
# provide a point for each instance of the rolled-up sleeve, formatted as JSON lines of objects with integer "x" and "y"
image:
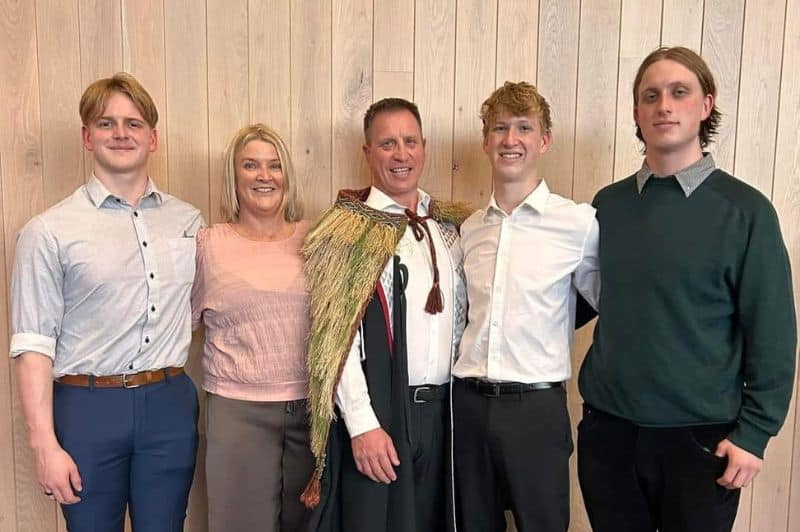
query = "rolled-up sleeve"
{"x": 37, "y": 302}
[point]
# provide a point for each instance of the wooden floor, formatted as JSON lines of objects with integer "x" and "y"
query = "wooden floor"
{"x": 311, "y": 67}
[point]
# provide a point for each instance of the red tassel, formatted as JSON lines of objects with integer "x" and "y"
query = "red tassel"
{"x": 310, "y": 496}
{"x": 434, "y": 305}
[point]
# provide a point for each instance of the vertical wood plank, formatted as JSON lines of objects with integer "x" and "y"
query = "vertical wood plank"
{"x": 558, "y": 76}
{"x": 517, "y": 41}
{"x": 311, "y": 100}
{"x": 228, "y": 86}
{"x": 143, "y": 56}
{"x": 270, "y": 65}
{"x": 786, "y": 197}
{"x": 639, "y": 35}
{"x": 758, "y": 93}
{"x": 60, "y": 90}
{"x": 595, "y": 118}
{"x": 393, "y": 45}
{"x": 434, "y": 72}
{"x": 722, "y": 50}
{"x": 22, "y": 502}
{"x": 101, "y": 46}
{"x": 475, "y": 79}
{"x": 351, "y": 91}
{"x": 765, "y": 39}
{"x": 186, "y": 120}
{"x": 682, "y": 23}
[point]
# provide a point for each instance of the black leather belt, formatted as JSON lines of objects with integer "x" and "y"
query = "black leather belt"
{"x": 427, "y": 393}
{"x": 496, "y": 389}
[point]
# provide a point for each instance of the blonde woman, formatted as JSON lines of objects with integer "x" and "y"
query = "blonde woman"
{"x": 250, "y": 294}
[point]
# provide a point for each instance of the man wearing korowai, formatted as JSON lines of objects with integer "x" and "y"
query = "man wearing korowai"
{"x": 387, "y": 308}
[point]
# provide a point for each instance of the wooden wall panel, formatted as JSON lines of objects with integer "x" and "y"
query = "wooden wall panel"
{"x": 558, "y": 75}
{"x": 722, "y": 48}
{"x": 311, "y": 100}
{"x": 640, "y": 28}
{"x": 517, "y": 41}
{"x": 475, "y": 80}
{"x": 310, "y": 68}
{"x": 270, "y": 65}
{"x": 351, "y": 91}
{"x": 434, "y": 72}
{"x": 393, "y": 49}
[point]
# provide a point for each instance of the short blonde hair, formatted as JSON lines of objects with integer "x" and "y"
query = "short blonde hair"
{"x": 291, "y": 205}
{"x": 96, "y": 95}
{"x": 519, "y": 99}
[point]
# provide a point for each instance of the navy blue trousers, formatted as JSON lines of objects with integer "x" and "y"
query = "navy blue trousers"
{"x": 133, "y": 447}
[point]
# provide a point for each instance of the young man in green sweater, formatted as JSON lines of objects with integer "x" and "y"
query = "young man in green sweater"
{"x": 692, "y": 365}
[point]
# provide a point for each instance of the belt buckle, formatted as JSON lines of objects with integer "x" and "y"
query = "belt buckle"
{"x": 417, "y": 390}
{"x": 495, "y": 389}
{"x": 125, "y": 383}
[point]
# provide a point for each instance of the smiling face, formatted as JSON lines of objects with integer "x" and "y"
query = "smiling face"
{"x": 120, "y": 140}
{"x": 670, "y": 107}
{"x": 514, "y": 144}
{"x": 259, "y": 180}
{"x": 395, "y": 153}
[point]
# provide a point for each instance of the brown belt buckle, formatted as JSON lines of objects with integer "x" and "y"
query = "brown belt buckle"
{"x": 126, "y": 384}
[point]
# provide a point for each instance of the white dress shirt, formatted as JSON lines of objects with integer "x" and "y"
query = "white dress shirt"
{"x": 102, "y": 287}
{"x": 429, "y": 337}
{"x": 522, "y": 272}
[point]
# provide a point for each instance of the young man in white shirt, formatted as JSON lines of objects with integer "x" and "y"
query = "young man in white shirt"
{"x": 526, "y": 255}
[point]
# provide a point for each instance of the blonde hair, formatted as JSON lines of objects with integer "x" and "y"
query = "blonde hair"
{"x": 96, "y": 95}
{"x": 291, "y": 205}
{"x": 519, "y": 99}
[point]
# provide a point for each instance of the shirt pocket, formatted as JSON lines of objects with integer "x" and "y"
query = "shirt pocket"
{"x": 182, "y": 256}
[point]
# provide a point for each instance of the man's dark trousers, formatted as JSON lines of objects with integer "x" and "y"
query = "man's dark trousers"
{"x": 132, "y": 447}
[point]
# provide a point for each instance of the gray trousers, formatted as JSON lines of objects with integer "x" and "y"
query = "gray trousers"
{"x": 257, "y": 463}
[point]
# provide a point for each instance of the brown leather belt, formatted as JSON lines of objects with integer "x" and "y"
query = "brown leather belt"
{"x": 130, "y": 380}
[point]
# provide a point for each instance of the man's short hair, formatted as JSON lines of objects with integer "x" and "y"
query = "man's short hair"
{"x": 694, "y": 63}
{"x": 96, "y": 95}
{"x": 291, "y": 204}
{"x": 519, "y": 99}
{"x": 389, "y": 105}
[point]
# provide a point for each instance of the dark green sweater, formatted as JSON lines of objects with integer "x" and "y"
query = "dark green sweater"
{"x": 697, "y": 320}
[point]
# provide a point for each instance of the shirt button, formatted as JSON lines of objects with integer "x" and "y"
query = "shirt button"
{"x": 130, "y": 366}
{"x": 147, "y": 339}
{"x": 136, "y": 213}
{"x": 152, "y": 275}
{"x": 144, "y": 243}
{"x": 153, "y": 308}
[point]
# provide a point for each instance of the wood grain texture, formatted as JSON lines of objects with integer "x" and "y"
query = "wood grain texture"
{"x": 558, "y": 78}
{"x": 60, "y": 88}
{"x": 351, "y": 91}
{"x": 517, "y": 41}
{"x": 475, "y": 80}
{"x": 434, "y": 72}
{"x": 722, "y": 50}
{"x": 311, "y": 100}
{"x": 639, "y": 35}
{"x": 143, "y": 56}
{"x": 682, "y": 23}
{"x": 228, "y": 103}
{"x": 186, "y": 114}
{"x": 759, "y": 88}
{"x": 310, "y": 68}
{"x": 393, "y": 49}
{"x": 23, "y": 196}
{"x": 270, "y": 65}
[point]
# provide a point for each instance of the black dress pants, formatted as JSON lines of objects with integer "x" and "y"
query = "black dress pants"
{"x": 511, "y": 452}
{"x": 641, "y": 479}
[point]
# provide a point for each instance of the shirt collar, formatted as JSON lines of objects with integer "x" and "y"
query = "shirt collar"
{"x": 690, "y": 178}
{"x": 99, "y": 194}
{"x": 381, "y": 201}
{"x": 536, "y": 200}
